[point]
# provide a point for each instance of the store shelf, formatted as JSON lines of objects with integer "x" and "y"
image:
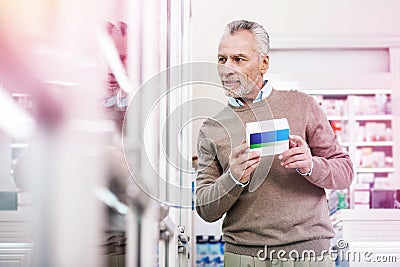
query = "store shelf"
{"x": 20, "y": 95}
{"x": 337, "y": 118}
{"x": 361, "y": 118}
{"x": 346, "y": 91}
{"x": 19, "y": 145}
{"x": 373, "y": 117}
{"x": 374, "y": 170}
{"x": 372, "y": 143}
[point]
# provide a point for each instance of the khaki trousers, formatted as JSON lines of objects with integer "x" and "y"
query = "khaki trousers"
{"x": 236, "y": 260}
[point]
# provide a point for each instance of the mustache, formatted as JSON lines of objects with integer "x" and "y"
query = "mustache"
{"x": 231, "y": 79}
{"x": 228, "y": 79}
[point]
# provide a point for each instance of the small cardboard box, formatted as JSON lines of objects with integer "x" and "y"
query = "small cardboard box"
{"x": 270, "y": 137}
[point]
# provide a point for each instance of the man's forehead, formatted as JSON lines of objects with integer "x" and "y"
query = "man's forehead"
{"x": 242, "y": 42}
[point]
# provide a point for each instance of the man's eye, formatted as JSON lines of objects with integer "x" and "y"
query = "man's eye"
{"x": 239, "y": 59}
{"x": 221, "y": 60}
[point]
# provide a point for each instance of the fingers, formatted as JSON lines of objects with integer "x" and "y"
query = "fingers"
{"x": 300, "y": 161}
{"x": 294, "y": 161}
{"x": 292, "y": 152}
{"x": 242, "y": 162}
{"x": 247, "y": 169}
{"x": 250, "y": 169}
{"x": 250, "y": 155}
{"x": 245, "y": 159}
{"x": 297, "y": 140}
{"x": 240, "y": 149}
{"x": 298, "y": 155}
{"x": 298, "y": 165}
{"x": 251, "y": 162}
{"x": 240, "y": 154}
{"x": 248, "y": 164}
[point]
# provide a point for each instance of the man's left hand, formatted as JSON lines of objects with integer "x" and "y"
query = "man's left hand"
{"x": 297, "y": 156}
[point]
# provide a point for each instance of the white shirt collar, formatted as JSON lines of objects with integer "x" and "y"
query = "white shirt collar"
{"x": 262, "y": 94}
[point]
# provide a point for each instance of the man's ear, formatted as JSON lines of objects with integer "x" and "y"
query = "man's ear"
{"x": 264, "y": 64}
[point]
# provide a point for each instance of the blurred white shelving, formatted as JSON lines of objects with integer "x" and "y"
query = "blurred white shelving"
{"x": 365, "y": 115}
{"x": 363, "y": 92}
{"x": 19, "y": 145}
{"x": 373, "y": 117}
{"x": 374, "y": 170}
{"x": 375, "y": 143}
{"x": 361, "y": 118}
{"x": 337, "y": 118}
{"x": 371, "y": 234}
{"x": 372, "y": 143}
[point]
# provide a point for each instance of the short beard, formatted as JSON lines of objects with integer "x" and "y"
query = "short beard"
{"x": 246, "y": 85}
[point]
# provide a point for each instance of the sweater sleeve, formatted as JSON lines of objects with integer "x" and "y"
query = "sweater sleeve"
{"x": 216, "y": 192}
{"x": 333, "y": 168}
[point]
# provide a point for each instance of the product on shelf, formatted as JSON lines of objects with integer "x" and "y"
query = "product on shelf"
{"x": 342, "y": 203}
{"x": 368, "y": 158}
{"x": 203, "y": 261}
{"x": 365, "y": 178}
{"x": 337, "y": 200}
{"x": 375, "y": 131}
{"x": 361, "y": 196}
{"x": 362, "y": 123}
{"x": 333, "y": 107}
{"x": 209, "y": 251}
{"x": 382, "y": 183}
{"x": 336, "y": 127}
{"x": 389, "y": 161}
{"x": 371, "y": 105}
{"x": 383, "y": 198}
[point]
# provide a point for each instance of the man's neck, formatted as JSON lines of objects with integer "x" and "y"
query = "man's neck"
{"x": 245, "y": 100}
{"x": 250, "y": 99}
{"x": 263, "y": 92}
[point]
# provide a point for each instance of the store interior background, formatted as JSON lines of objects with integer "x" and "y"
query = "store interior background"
{"x": 86, "y": 211}
{"x": 323, "y": 48}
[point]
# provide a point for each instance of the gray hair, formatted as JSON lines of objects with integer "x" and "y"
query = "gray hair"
{"x": 259, "y": 32}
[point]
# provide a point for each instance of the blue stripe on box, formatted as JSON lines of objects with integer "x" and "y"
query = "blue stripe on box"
{"x": 272, "y": 136}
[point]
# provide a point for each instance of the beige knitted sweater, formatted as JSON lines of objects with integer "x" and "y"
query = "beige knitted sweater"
{"x": 287, "y": 210}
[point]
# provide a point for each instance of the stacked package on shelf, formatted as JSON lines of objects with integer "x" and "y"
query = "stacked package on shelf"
{"x": 362, "y": 196}
{"x": 383, "y": 193}
{"x": 366, "y": 157}
{"x": 379, "y": 104}
{"x": 337, "y": 200}
{"x": 209, "y": 251}
{"x": 373, "y": 131}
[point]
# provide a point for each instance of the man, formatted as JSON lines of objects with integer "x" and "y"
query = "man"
{"x": 287, "y": 214}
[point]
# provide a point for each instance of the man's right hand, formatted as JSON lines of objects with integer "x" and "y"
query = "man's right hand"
{"x": 242, "y": 163}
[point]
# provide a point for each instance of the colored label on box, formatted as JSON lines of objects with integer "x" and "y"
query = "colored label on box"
{"x": 269, "y": 137}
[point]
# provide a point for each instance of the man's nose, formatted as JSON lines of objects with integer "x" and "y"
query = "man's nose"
{"x": 226, "y": 68}
{"x": 230, "y": 63}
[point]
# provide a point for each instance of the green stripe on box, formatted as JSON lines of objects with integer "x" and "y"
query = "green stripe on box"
{"x": 267, "y": 144}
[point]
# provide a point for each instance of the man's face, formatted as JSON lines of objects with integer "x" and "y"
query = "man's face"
{"x": 240, "y": 65}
